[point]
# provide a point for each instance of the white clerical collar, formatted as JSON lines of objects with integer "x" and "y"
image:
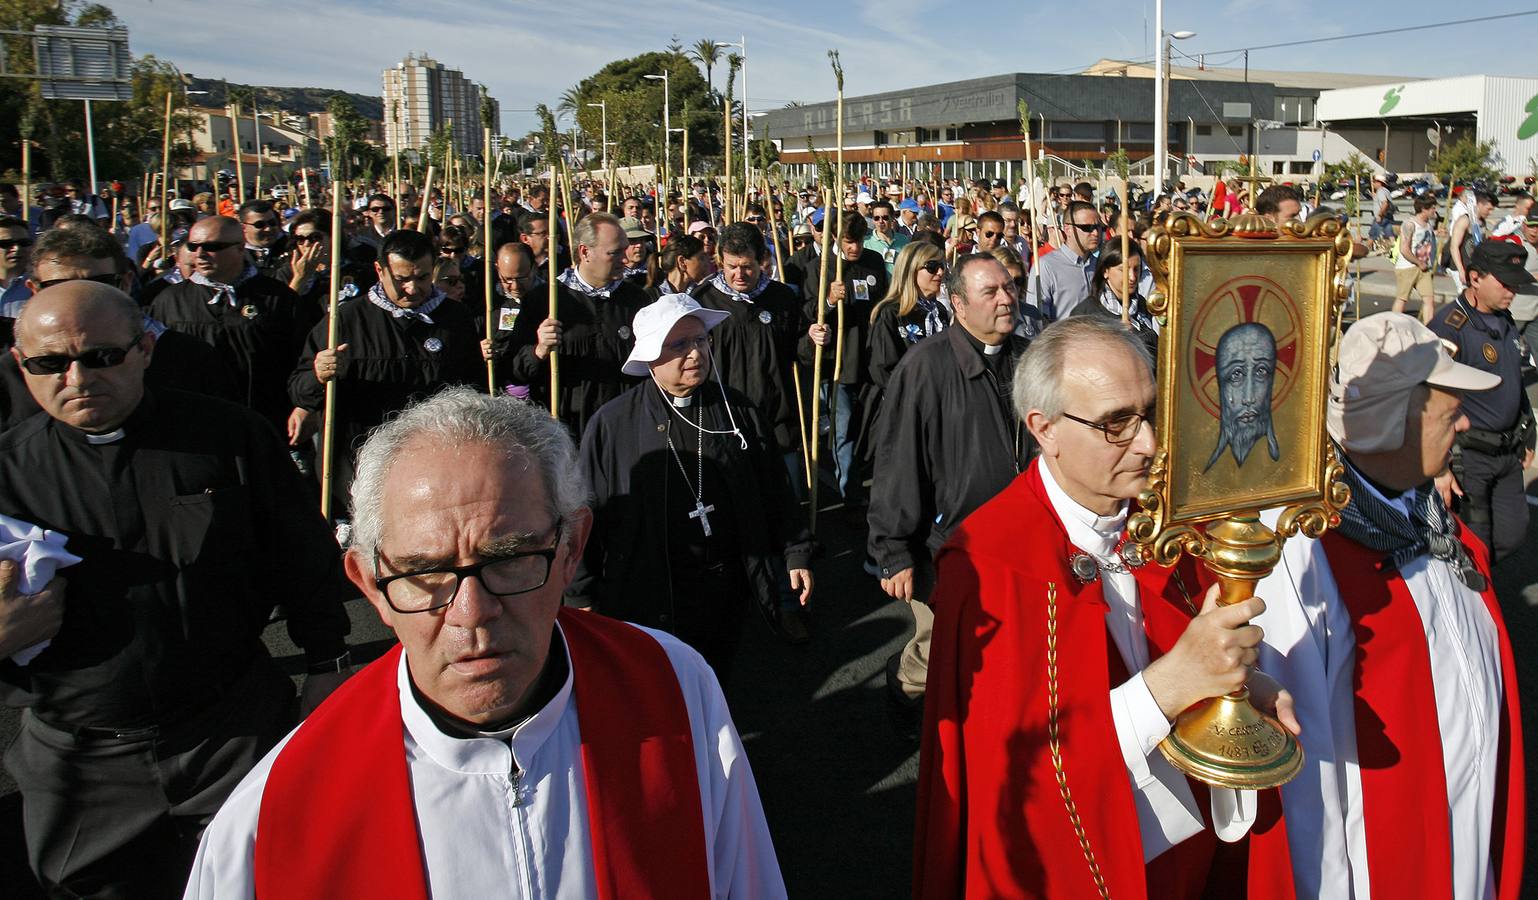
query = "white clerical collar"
{"x": 1087, "y": 530}
{"x": 484, "y": 755}
{"x": 110, "y": 437}
{"x": 681, "y": 402}
{"x": 992, "y": 349}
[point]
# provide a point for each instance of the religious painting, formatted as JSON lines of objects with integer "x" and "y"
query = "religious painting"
{"x": 1249, "y": 320}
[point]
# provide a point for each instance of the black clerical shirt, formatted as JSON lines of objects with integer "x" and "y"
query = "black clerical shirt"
{"x": 191, "y": 525}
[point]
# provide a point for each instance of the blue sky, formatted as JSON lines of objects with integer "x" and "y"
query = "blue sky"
{"x": 528, "y": 51}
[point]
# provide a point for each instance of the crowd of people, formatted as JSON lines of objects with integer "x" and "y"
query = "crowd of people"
{"x": 516, "y": 475}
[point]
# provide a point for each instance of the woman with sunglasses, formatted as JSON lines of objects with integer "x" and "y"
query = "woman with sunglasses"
{"x": 913, "y": 309}
{"x": 1108, "y": 291}
{"x": 450, "y": 279}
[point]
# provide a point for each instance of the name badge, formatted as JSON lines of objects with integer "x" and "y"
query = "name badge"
{"x": 861, "y": 290}
{"x": 507, "y": 318}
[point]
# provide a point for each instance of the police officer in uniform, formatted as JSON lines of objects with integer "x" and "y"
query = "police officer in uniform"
{"x": 1485, "y": 478}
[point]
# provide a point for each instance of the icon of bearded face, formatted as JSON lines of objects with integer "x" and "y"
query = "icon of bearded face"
{"x": 1246, "y": 366}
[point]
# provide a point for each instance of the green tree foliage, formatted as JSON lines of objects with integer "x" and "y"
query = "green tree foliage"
{"x": 1118, "y": 163}
{"x": 635, "y": 107}
{"x": 1465, "y": 159}
{"x": 345, "y": 146}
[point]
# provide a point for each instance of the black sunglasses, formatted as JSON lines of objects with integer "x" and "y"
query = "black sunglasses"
{"x": 263, "y": 225}
{"x": 110, "y": 278}
{"x": 1087, "y": 229}
{"x": 381, "y": 209}
{"x": 59, "y": 363}
{"x": 448, "y": 249}
{"x": 933, "y": 267}
{"x": 8, "y": 243}
{"x": 211, "y": 246}
{"x": 311, "y": 238}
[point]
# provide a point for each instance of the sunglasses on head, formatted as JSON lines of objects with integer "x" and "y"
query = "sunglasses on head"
{"x": 933, "y": 267}
{"x": 59, "y": 363}
{"x": 211, "y": 246}
{"x": 108, "y": 279}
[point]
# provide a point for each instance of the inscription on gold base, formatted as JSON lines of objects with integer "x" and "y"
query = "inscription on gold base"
{"x": 1226, "y": 742}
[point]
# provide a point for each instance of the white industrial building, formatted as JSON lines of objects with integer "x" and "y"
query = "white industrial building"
{"x": 1399, "y": 124}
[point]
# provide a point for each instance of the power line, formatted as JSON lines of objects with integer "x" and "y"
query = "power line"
{"x": 1362, "y": 34}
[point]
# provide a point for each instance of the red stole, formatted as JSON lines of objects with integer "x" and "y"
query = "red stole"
{"x": 1404, "y": 782}
{"x": 350, "y": 830}
{"x": 991, "y": 819}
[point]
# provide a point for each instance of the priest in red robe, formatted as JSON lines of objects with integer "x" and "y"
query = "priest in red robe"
{"x": 1059, "y": 662}
{"x": 507, "y": 747}
{"x": 1388, "y": 633}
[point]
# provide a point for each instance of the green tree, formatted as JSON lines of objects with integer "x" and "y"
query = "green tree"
{"x": 707, "y": 53}
{"x": 1465, "y": 159}
{"x": 343, "y": 145}
{"x": 635, "y": 107}
{"x": 1118, "y": 163}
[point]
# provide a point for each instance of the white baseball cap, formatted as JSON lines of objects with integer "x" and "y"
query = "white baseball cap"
{"x": 1382, "y": 359}
{"x": 654, "y": 321}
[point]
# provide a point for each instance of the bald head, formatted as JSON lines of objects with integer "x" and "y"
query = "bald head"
{"x": 83, "y": 352}
{"x": 515, "y": 265}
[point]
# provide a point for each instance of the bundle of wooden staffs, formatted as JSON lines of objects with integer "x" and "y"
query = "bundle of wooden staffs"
{"x": 795, "y": 368}
{"x": 328, "y": 425}
{"x": 488, "y": 263}
{"x": 1123, "y": 227}
{"x": 822, "y": 312}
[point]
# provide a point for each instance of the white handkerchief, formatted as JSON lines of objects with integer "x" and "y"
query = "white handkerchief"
{"x": 40, "y": 553}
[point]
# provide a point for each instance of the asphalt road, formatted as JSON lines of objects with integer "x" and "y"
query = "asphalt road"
{"x": 837, "y": 785}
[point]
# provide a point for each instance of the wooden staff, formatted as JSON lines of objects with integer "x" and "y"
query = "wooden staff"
{"x": 1030, "y": 188}
{"x": 1126, "y": 259}
{"x": 550, "y": 253}
{"x": 309, "y": 203}
{"x": 240, "y": 169}
{"x": 822, "y": 311}
{"x": 395, "y": 194}
{"x": 256, "y": 129}
{"x": 488, "y": 262}
{"x": 571, "y": 228}
{"x": 328, "y": 425}
{"x": 779, "y": 269}
{"x": 165, "y": 170}
{"x": 726, "y": 194}
{"x": 1356, "y": 227}
{"x": 838, "y": 276}
{"x": 427, "y": 199}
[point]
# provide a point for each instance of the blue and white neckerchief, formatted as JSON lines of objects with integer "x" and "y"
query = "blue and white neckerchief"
{"x": 1138, "y": 315}
{"x": 572, "y": 280}
{"x": 376, "y": 296}
{"x": 633, "y": 271}
{"x": 934, "y": 318}
{"x": 718, "y": 281}
{"x": 222, "y": 291}
{"x": 173, "y": 275}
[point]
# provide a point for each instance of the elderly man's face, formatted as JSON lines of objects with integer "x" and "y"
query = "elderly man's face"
{"x": 1433, "y": 417}
{"x": 64, "y": 323}
{"x": 479, "y": 658}
{"x": 217, "y": 248}
{"x": 514, "y": 273}
{"x": 75, "y": 268}
{"x": 988, "y": 311}
{"x": 1246, "y": 364}
{"x": 1102, "y": 383}
{"x": 601, "y": 262}
{"x": 741, "y": 272}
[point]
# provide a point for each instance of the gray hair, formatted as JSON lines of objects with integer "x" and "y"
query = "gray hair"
{"x": 1039, "y": 374}
{"x": 956, "y": 286}
{"x": 454, "y": 417}
{"x": 585, "y": 232}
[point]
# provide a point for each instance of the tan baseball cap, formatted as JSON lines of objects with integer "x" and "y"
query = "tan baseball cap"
{"x": 1382, "y": 358}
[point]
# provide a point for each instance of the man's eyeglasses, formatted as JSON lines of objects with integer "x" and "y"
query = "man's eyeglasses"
{"x": 211, "y": 246}
{"x": 451, "y": 281}
{"x": 502, "y": 576}
{"x": 111, "y": 278}
{"x": 1118, "y": 430}
{"x": 263, "y": 225}
{"x": 756, "y": 220}
{"x": 381, "y": 209}
{"x": 59, "y": 363}
{"x": 8, "y": 243}
{"x": 1089, "y": 228}
{"x": 447, "y": 250}
{"x": 881, "y": 218}
{"x": 933, "y": 267}
{"x": 990, "y": 234}
{"x": 687, "y": 345}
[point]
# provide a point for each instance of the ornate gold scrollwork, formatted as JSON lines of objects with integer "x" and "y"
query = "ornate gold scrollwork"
{"x": 1314, "y": 519}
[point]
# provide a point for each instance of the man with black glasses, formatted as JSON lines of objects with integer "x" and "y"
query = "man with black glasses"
{"x": 148, "y": 691}
{"x": 15, "y": 255}
{"x": 444, "y": 757}
{"x": 250, "y": 319}
{"x": 380, "y": 215}
{"x": 886, "y": 239}
{"x": 267, "y": 245}
{"x": 1065, "y": 274}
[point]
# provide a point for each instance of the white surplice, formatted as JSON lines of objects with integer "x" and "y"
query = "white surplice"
{"x": 1166, "y": 809}
{"x": 488, "y": 833}
{"x": 1310, "y": 648}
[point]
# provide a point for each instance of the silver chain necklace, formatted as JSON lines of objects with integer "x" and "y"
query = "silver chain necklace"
{"x": 701, "y": 511}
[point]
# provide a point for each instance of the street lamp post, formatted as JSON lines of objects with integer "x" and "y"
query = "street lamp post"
{"x": 1162, "y": 96}
{"x": 742, "y": 44}
{"x": 667, "y": 140}
{"x": 603, "y": 108}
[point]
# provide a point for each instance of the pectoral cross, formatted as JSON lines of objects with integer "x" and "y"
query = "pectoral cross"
{"x": 701, "y": 512}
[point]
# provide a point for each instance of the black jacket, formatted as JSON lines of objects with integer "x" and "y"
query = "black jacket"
{"x": 625, "y": 570}
{"x": 755, "y": 347}
{"x": 191, "y": 527}
{"x": 258, "y": 337}
{"x": 388, "y": 363}
{"x": 865, "y": 277}
{"x": 595, "y": 342}
{"x": 947, "y": 441}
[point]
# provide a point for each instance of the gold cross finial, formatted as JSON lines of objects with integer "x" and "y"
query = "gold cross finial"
{"x": 1254, "y": 179}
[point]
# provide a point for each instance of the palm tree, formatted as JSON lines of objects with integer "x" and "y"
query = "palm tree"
{"x": 571, "y": 101}
{"x": 707, "y": 53}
